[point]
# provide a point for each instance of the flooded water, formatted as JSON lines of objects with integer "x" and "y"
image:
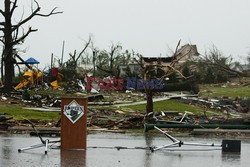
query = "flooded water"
{"x": 101, "y": 153}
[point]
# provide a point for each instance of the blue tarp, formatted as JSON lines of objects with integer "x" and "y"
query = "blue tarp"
{"x": 31, "y": 60}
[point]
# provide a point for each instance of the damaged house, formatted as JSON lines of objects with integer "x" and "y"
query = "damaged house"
{"x": 189, "y": 52}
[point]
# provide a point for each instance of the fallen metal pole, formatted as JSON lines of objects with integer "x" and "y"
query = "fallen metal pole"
{"x": 166, "y": 134}
{"x": 178, "y": 143}
{"x": 197, "y": 126}
{"x": 31, "y": 147}
{"x": 202, "y": 144}
{"x": 45, "y": 143}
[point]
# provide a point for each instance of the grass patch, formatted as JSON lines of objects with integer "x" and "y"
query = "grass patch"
{"x": 18, "y": 113}
{"x": 217, "y": 91}
{"x": 170, "y": 105}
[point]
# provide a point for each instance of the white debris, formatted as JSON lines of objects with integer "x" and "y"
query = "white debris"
{"x": 94, "y": 91}
{"x": 4, "y": 98}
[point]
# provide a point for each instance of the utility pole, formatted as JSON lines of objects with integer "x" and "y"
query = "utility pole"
{"x": 51, "y": 63}
{"x": 62, "y": 53}
{"x": 94, "y": 58}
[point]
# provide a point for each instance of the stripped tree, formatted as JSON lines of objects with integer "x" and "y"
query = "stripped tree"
{"x": 150, "y": 72}
{"x": 14, "y": 34}
{"x": 70, "y": 68}
{"x": 111, "y": 56}
{"x": 74, "y": 58}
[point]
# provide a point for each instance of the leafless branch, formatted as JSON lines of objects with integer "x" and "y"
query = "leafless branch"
{"x": 2, "y": 23}
{"x": 51, "y": 13}
{"x": 21, "y": 18}
{"x": 114, "y": 49}
{"x": 174, "y": 61}
{"x": 73, "y": 56}
{"x": 223, "y": 68}
{"x": 15, "y": 36}
{"x": 13, "y": 7}
{"x": 139, "y": 60}
{"x": 176, "y": 49}
{"x": 35, "y": 13}
{"x": 175, "y": 70}
{"x": 1, "y": 40}
{"x": 24, "y": 36}
{"x": 26, "y": 20}
{"x": 107, "y": 71}
{"x": 168, "y": 69}
{"x": 86, "y": 46}
{"x": 2, "y": 12}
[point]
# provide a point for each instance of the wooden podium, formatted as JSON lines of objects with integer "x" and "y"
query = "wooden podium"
{"x": 74, "y": 123}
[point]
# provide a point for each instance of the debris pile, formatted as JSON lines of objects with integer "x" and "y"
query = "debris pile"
{"x": 222, "y": 104}
{"x": 115, "y": 119}
{"x": 4, "y": 124}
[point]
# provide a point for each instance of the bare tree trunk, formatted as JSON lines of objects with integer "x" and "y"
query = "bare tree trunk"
{"x": 9, "y": 70}
{"x": 94, "y": 61}
{"x": 111, "y": 63}
{"x": 2, "y": 67}
{"x": 149, "y": 107}
{"x": 8, "y": 49}
{"x": 11, "y": 36}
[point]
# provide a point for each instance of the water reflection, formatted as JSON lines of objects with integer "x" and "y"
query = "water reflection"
{"x": 102, "y": 157}
{"x": 147, "y": 158}
{"x": 5, "y": 149}
{"x": 230, "y": 156}
{"x": 73, "y": 158}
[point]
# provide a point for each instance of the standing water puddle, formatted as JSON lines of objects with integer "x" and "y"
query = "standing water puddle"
{"x": 102, "y": 152}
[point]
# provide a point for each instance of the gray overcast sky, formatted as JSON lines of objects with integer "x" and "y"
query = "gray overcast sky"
{"x": 150, "y": 27}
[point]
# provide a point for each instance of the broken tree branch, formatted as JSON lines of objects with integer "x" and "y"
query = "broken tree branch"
{"x": 174, "y": 61}
{"x": 176, "y": 50}
{"x": 86, "y": 46}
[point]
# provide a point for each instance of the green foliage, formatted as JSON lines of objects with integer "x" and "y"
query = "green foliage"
{"x": 222, "y": 78}
{"x": 170, "y": 105}
{"x": 18, "y": 113}
{"x": 209, "y": 76}
{"x": 186, "y": 71}
{"x": 69, "y": 72}
{"x": 160, "y": 73}
{"x": 225, "y": 91}
{"x": 173, "y": 78}
{"x": 214, "y": 67}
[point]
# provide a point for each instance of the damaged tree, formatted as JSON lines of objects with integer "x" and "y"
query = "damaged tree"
{"x": 111, "y": 57}
{"x": 74, "y": 57}
{"x": 12, "y": 36}
{"x": 69, "y": 68}
{"x": 214, "y": 67}
{"x": 150, "y": 72}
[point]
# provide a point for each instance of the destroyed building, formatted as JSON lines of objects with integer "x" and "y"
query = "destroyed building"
{"x": 189, "y": 52}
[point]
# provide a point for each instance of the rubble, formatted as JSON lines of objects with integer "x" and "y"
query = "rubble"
{"x": 233, "y": 106}
{"x": 114, "y": 117}
{"x": 98, "y": 97}
{"x": 4, "y": 121}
